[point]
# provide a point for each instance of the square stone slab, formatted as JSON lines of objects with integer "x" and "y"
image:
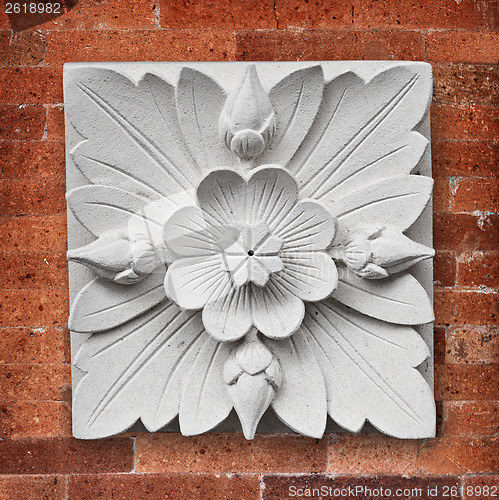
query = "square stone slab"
{"x": 250, "y": 247}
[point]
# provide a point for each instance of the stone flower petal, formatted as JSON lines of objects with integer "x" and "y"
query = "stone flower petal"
{"x": 276, "y": 312}
{"x": 311, "y": 276}
{"x": 221, "y": 197}
{"x": 193, "y": 281}
{"x": 229, "y": 316}
{"x": 272, "y": 193}
{"x": 187, "y": 233}
{"x": 309, "y": 226}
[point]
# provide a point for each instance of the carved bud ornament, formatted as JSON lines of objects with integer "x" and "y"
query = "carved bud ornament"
{"x": 249, "y": 251}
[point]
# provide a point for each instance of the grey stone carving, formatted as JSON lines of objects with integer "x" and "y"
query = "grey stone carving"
{"x": 240, "y": 240}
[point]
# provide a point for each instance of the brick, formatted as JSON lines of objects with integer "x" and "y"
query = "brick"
{"x": 22, "y": 123}
{"x": 86, "y": 14}
{"x": 472, "y": 344}
{"x": 465, "y": 232}
{"x": 370, "y": 454}
{"x": 444, "y": 268}
{"x": 460, "y": 122}
{"x": 32, "y": 197}
{"x": 475, "y": 47}
{"x": 458, "y": 455}
{"x": 439, "y": 333}
{"x": 32, "y": 487}
{"x": 138, "y": 45}
{"x": 465, "y": 307}
{"x": 34, "y": 233}
{"x": 34, "y": 382}
{"x": 218, "y": 14}
{"x": 441, "y": 194}
{"x": 65, "y": 456}
{"x": 478, "y": 269}
{"x": 35, "y": 419}
{"x": 34, "y": 270}
{"x": 32, "y": 160}
{"x": 171, "y": 486}
{"x": 31, "y": 85}
{"x": 34, "y": 345}
{"x": 34, "y": 307}
{"x": 464, "y": 158}
{"x": 465, "y": 84}
{"x": 55, "y": 124}
{"x": 483, "y": 487}
{"x": 466, "y": 382}
{"x": 317, "y": 45}
{"x": 467, "y": 14}
{"x": 467, "y": 418}
{"x": 21, "y": 49}
{"x": 314, "y": 14}
{"x": 228, "y": 453}
{"x": 343, "y": 487}
{"x": 470, "y": 194}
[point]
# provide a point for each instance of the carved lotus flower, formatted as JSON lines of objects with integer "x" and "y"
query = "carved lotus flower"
{"x": 275, "y": 260}
{"x": 236, "y": 241}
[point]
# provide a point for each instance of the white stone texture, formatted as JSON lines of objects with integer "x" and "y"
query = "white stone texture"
{"x": 248, "y": 241}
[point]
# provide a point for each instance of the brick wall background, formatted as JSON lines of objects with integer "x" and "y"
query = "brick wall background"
{"x": 38, "y": 456}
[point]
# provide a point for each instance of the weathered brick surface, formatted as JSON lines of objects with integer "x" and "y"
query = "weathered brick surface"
{"x": 172, "y": 486}
{"x": 473, "y": 194}
{"x": 314, "y": 14}
{"x": 466, "y": 307}
{"x": 218, "y": 14}
{"x": 138, "y": 45}
{"x": 444, "y": 268}
{"x": 34, "y": 345}
{"x": 464, "y": 158}
{"x": 34, "y": 382}
{"x": 316, "y": 45}
{"x": 34, "y": 307}
{"x": 32, "y": 160}
{"x": 228, "y": 453}
{"x": 32, "y": 487}
{"x": 21, "y": 419}
{"x": 22, "y": 123}
{"x": 475, "y": 47}
{"x": 456, "y": 382}
{"x": 464, "y": 123}
{"x": 468, "y": 14}
{"x": 27, "y": 197}
{"x": 25, "y": 48}
{"x": 31, "y": 85}
{"x": 65, "y": 455}
{"x": 472, "y": 344}
{"x": 465, "y": 84}
{"x": 467, "y": 418}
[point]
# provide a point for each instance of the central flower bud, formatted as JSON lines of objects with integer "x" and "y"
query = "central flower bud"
{"x": 254, "y": 256}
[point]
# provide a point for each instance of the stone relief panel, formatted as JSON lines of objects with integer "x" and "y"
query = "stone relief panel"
{"x": 246, "y": 243}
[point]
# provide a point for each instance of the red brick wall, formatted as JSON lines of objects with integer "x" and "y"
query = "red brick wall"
{"x": 38, "y": 456}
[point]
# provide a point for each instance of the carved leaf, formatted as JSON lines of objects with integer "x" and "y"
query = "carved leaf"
{"x": 296, "y": 100}
{"x": 397, "y": 201}
{"x": 397, "y": 299}
{"x": 103, "y": 208}
{"x": 300, "y": 401}
{"x": 205, "y": 402}
{"x": 200, "y": 101}
{"x": 140, "y": 121}
{"x": 369, "y": 369}
{"x": 142, "y": 366}
{"x": 363, "y": 131}
{"x": 103, "y": 304}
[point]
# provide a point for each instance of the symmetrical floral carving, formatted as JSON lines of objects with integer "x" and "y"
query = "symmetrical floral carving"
{"x": 250, "y": 251}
